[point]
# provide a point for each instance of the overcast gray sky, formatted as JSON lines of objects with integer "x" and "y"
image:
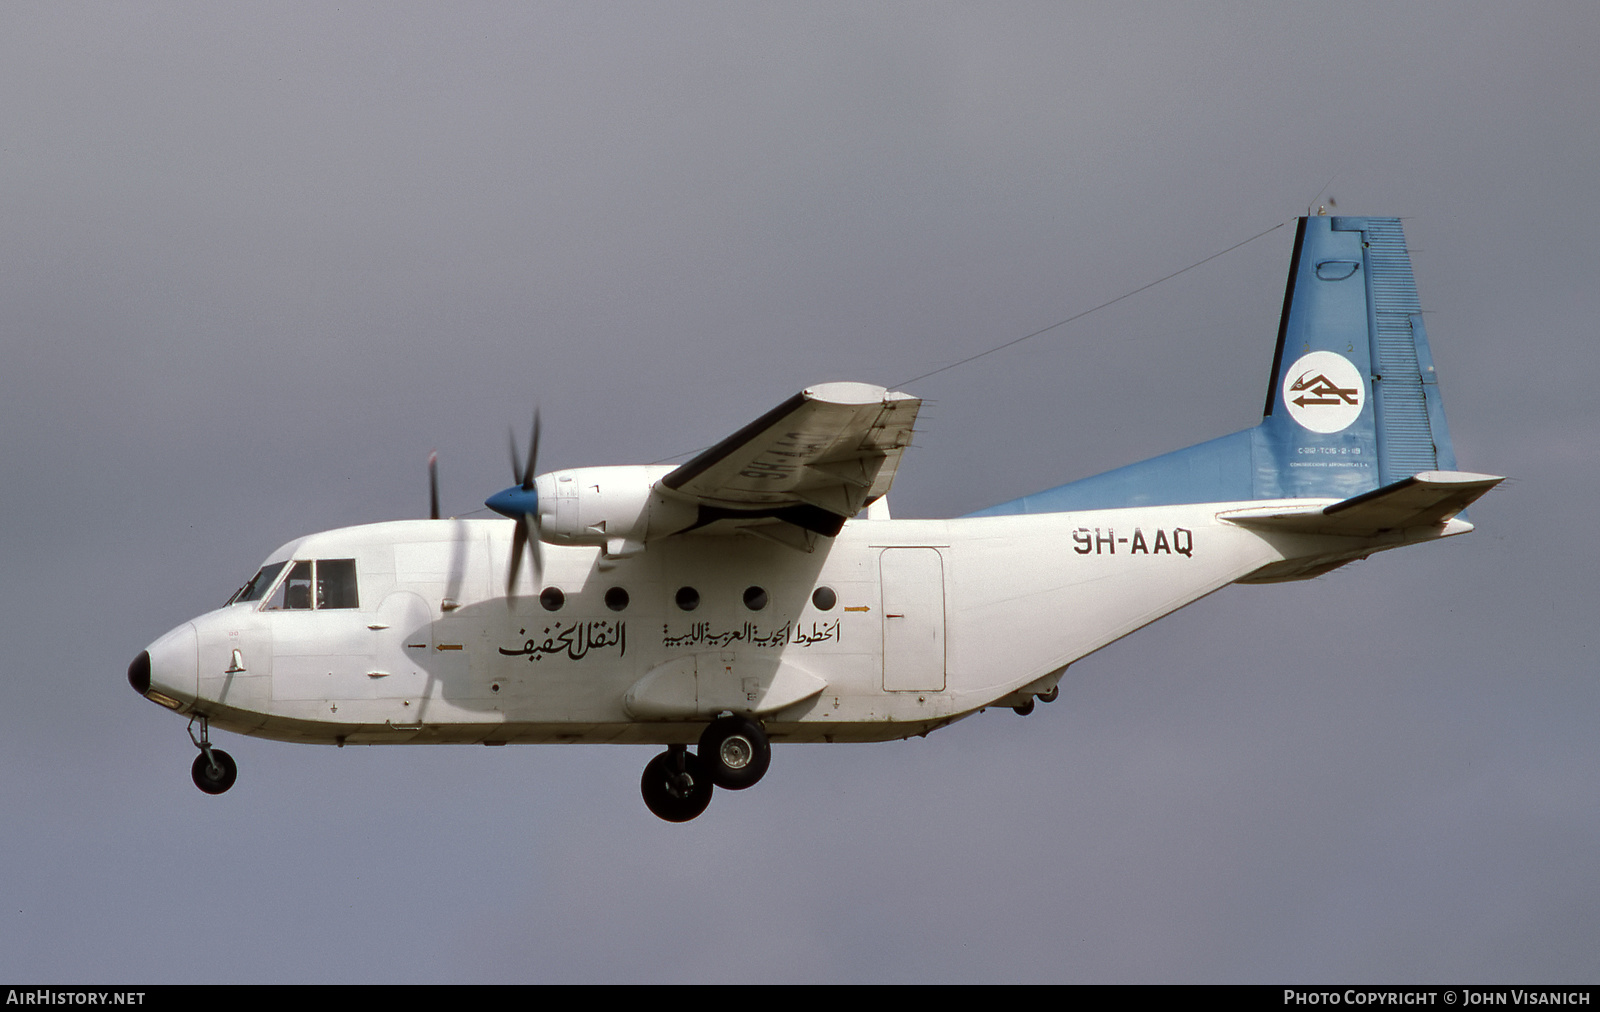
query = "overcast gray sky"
{"x": 259, "y": 260}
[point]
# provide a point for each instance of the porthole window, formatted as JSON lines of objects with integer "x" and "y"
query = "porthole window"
{"x": 755, "y": 598}
{"x": 552, "y": 598}
{"x": 616, "y": 599}
{"x": 688, "y": 598}
{"x": 824, "y": 598}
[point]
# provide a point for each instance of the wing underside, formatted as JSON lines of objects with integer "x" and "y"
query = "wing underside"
{"x": 812, "y": 462}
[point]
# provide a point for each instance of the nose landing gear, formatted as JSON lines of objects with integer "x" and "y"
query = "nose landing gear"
{"x": 734, "y": 754}
{"x": 214, "y": 770}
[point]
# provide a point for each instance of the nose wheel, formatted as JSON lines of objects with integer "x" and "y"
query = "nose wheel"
{"x": 214, "y": 770}
{"x": 216, "y": 773}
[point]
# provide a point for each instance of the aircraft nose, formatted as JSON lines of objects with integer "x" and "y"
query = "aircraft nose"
{"x": 168, "y": 670}
{"x": 139, "y": 673}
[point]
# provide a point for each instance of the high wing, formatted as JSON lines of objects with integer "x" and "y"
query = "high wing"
{"x": 813, "y": 461}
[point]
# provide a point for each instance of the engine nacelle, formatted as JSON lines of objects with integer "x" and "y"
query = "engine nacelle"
{"x": 616, "y": 508}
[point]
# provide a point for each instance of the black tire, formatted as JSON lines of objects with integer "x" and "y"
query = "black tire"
{"x": 675, "y": 786}
{"x": 735, "y": 752}
{"x": 218, "y": 779}
{"x": 1024, "y": 709}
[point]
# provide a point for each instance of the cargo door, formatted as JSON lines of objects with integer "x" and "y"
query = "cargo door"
{"x": 913, "y": 619}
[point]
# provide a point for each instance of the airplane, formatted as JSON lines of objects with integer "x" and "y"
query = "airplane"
{"x": 761, "y": 592}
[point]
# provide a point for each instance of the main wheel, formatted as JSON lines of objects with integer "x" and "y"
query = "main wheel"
{"x": 214, "y": 779}
{"x": 736, "y": 752}
{"x": 675, "y": 785}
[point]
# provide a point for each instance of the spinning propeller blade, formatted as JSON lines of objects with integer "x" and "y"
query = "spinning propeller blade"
{"x": 520, "y": 503}
{"x": 433, "y": 485}
{"x": 533, "y": 454}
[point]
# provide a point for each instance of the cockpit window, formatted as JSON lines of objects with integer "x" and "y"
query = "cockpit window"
{"x": 259, "y": 584}
{"x": 336, "y": 583}
{"x": 333, "y": 580}
{"x": 294, "y": 594}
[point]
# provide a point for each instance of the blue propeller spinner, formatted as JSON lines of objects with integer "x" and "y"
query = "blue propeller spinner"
{"x": 520, "y": 502}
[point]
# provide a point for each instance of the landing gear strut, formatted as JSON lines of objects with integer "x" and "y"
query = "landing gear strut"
{"x": 675, "y": 785}
{"x": 214, "y": 770}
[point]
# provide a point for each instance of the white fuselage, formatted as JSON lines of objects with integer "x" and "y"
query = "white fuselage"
{"x": 930, "y": 620}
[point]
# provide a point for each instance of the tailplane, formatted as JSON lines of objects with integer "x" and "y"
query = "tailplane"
{"x": 1428, "y": 499}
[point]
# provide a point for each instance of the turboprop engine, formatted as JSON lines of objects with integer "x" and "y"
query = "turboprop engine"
{"x": 616, "y": 508}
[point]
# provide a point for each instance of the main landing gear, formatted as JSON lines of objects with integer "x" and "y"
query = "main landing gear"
{"x": 734, "y": 754}
{"x": 214, "y": 770}
{"x": 1047, "y": 696}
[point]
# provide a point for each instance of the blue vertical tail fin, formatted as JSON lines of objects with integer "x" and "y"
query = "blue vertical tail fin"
{"x": 1353, "y": 402}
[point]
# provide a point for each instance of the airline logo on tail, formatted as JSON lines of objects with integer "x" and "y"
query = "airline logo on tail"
{"x": 1324, "y": 392}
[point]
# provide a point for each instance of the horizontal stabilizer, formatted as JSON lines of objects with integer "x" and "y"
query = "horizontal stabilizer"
{"x": 1429, "y": 499}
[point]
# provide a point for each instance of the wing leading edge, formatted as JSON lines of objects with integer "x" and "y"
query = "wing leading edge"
{"x": 813, "y": 461}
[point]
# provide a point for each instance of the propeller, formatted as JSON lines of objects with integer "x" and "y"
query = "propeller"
{"x": 433, "y": 485}
{"x": 520, "y": 502}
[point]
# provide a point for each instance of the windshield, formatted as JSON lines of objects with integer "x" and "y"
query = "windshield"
{"x": 321, "y": 584}
{"x": 259, "y": 584}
